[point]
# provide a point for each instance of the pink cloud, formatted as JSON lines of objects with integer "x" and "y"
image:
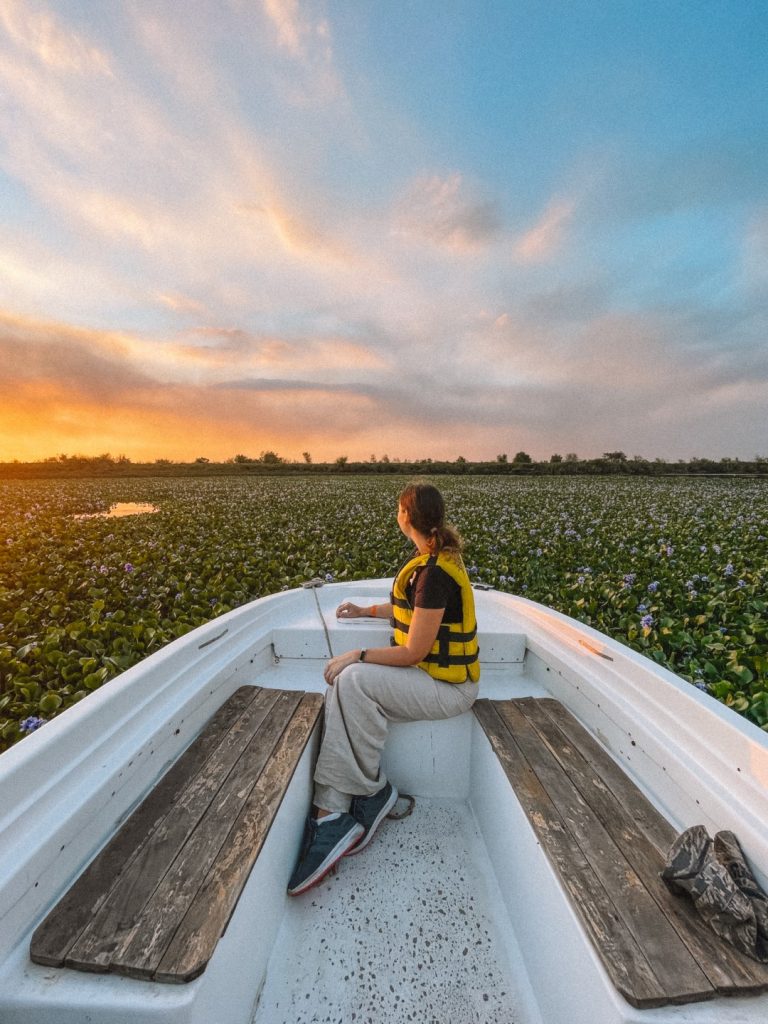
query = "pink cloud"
{"x": 545, "y": 238}
{"x": 181, "y": 303}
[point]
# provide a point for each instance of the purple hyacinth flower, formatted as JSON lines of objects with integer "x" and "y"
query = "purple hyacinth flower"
{"x": 31, "y": 723}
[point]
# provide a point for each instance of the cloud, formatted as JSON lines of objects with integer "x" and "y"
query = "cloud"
{"x": 292, "y": 26}
{"x": 68, "y": 388}
{"x": 181, "y": 303}
{"x": 306, "y": 38}
{"x": 629, "y": 382}
{"x": 448, "y": 213}
{"x": 80, "y": 362}
{"x": 567, "y": 302}
{"x": 168, "y": 183}
{"x": 297, "y": 235}
{"x": 265, "y": 385}
{"x": 545, "y": 238}
{"x": 456, "y": 216}
{"x": 641, "y": 382}
{"x": 112, "y": 363}
{"x": 40, "y": 34}
{"x": 231, "y": 349}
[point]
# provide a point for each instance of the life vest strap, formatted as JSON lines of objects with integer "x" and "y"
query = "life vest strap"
{"x": 455, "y": 659}
{"x": 454, "y": 637}
{"x": 443, "y": 647}
{"x": 434, "y": 659}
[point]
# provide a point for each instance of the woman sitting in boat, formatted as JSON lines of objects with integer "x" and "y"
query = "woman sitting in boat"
{"x": 430, "y": 671}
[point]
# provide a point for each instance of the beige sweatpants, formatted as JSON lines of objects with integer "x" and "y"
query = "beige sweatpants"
{"x": 358, "y": 709}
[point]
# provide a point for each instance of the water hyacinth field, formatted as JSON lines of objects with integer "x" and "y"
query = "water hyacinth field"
{"x": 676, "y": 569}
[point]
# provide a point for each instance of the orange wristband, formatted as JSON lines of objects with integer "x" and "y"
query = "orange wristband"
{"x": 374, "y": 609}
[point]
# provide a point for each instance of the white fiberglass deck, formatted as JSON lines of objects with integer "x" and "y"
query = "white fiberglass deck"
{"x": 406, "y": 931}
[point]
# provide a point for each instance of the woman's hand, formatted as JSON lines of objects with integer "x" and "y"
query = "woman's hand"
{"x": 337, "y": 665}
{"x": 347, "y": 610}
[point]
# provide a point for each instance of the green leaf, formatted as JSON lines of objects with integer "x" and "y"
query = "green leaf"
{"x": 744, "y": 674}
{"x": 94, "y": 679}
{"x": 50, "y": 702}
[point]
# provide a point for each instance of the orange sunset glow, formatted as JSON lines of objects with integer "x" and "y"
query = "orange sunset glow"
{"x": 353, "y": 230}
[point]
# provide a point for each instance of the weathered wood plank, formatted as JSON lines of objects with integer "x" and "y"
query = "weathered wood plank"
{"x": 670, "y": 960}
{"x": 195, "y": 940}
{"x": 55, "y": 936}
{"x": 624, "y": 961}
{"x": 644, "y": 836}
{"x": 658, "y": 831}
{"x": 112, "y": 928}
{"x": 145, "y": 943}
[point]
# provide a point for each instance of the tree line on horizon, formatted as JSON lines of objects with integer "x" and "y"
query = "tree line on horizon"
{"x": 269, "y": 462}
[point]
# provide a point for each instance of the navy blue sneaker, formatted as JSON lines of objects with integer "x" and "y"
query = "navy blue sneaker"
{"x": 370, "y": 811}
{"x": 325, "y": 842}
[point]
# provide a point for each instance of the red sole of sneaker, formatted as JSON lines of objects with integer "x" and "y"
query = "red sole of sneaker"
{"x": 328, "y": 870}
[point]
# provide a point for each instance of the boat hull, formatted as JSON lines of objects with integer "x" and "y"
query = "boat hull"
{"x": 695, "y": 760}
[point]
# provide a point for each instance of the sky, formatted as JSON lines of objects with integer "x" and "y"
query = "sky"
{"x": 423, "y": 229}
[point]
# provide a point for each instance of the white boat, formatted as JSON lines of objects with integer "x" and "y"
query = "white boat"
{"x": 455, "y": 914}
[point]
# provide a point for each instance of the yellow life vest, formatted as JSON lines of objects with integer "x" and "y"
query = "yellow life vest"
{"x": 455, "y": 655}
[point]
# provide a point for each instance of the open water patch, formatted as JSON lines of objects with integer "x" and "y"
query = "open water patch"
{"x": 121, "y": 509}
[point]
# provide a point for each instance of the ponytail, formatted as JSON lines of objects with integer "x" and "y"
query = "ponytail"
{"x": 445, "y": 538}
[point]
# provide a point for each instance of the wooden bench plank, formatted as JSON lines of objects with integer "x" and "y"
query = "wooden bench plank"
{"x": 144, "y": 946}
{"x": 113, "y": 926}
{"x": 163, "y": 889}
{"x": 644, "y": 836}
{"x": 55, "y": 936}
{"x": 614, "y": 824}
{"x": 208, "y": 916}
{"x": 678, "y": 974}
{"x": 659, "y": 832}
{"x": 618, "y": 950}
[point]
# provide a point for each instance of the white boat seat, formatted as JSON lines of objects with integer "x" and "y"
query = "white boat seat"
{"x": 155, "y": 900}
{"x": 607, "y": 843}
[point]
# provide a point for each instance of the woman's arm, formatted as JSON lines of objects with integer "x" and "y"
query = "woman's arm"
{"x": 421, "y": 636}
{"x": 347, "y": 610}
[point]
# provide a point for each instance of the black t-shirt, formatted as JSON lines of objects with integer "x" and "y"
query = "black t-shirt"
{"x": 432, "y": 587}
